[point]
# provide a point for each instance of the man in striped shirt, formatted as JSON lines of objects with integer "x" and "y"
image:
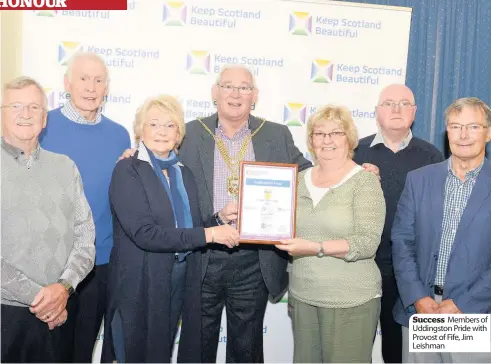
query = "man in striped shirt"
{"x": 441, "y": 233}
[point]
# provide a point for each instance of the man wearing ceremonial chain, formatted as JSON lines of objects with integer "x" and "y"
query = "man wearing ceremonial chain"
{"x": 240, "y": 279}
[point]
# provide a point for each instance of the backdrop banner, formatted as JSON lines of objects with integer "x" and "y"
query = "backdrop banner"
{"x": 303, "y": 55}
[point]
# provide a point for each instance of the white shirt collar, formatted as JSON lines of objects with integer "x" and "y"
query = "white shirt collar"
{"x": 379, "y": 139}
{"x": 145, "y": 157}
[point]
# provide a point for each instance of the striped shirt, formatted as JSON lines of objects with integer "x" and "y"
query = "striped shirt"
{"x": 457, "y": 193}
{"x": 69, "y": 111}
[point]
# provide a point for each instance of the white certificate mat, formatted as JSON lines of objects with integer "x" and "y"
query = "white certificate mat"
{"x": 267, "y": 202}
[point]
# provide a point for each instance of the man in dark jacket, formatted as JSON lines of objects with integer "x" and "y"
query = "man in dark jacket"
{"x": 239, "y": 279}
{"x": 395, "y": 151}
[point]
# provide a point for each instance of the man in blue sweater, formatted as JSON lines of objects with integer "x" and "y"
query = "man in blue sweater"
{"x": 396, "y": 152}
{"x": 79, "y": 130}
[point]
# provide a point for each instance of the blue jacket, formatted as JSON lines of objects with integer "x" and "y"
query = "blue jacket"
{"x": 416, "y": 235}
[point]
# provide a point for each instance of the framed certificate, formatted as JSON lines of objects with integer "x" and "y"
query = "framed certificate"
{"x": 267, "y": 202}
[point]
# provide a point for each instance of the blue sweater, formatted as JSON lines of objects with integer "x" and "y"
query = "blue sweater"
{"x": 394, "y": 168}
{"x": 95, "y": 149}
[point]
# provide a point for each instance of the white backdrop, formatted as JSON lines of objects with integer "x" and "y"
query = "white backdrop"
{"x": 303, "y": 54}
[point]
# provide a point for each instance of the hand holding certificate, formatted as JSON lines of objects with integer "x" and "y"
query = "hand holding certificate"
{"x": 267, "y": 202}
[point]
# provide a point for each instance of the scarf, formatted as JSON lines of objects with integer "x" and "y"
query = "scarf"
{"x": 176, "y": 191}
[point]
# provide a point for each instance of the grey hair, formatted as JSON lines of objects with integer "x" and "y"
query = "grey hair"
{"x": 230, "y": 66}
{"x": 22, "y": 82}
{"x": 88, "y": 55}
{"x": 473, "y": 102}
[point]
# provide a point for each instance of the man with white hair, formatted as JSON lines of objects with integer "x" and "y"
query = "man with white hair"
{"x": 79, "y": 130}
{"x": 47, "y": 234}
{"x": 239, "y": 279}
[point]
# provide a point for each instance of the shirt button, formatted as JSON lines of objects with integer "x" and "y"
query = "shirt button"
{"x": 453, "y": 230}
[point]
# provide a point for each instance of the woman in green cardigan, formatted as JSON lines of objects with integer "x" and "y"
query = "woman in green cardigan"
{"x": 335, "y": 284}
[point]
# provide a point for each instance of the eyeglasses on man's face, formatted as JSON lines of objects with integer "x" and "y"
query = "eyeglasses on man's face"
{"x": 474, "y": 128}
{"x": 403, "y": 104}
{"x": 18, "y": 107}
{"x": 243, "y": 90}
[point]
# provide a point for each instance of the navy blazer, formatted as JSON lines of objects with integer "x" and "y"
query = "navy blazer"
{"x": 140, "y": 266}
{"x": 416, "y": 235}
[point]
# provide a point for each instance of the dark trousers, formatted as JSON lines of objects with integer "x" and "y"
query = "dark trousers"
{"x": 391, "y": 330}
{"x": 26, "y": 339}
{"x": 178, "y": 285}
{"x": 234, "y": 281}
{"x": 178, "y": 282}
{"x": 92, "y": 306}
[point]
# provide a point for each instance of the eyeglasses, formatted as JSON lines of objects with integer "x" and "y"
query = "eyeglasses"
{"x": 243, "y": 90}
{"x": 471, "y": 128}
{"x": 334, "y": 135}
{"x": 18, "y": 107}
{"x": 156, "y": 126}
{"x": 404, "y": 104}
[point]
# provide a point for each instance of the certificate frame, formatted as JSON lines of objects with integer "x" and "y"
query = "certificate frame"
{"x": 248, "y": 191}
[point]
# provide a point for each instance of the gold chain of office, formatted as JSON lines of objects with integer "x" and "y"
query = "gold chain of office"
{"x": 233, "y": 163}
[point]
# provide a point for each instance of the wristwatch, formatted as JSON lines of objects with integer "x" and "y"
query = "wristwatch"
{"x": 218, "y": 219}
{"x": 67, "y": 286}
{"x": 320, "y": 254}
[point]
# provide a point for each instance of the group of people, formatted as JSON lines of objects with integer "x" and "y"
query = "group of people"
{"x": 141, "y": 239}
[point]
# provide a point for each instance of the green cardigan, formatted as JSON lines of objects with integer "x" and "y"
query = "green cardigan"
{"x": 354, "y": 211}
